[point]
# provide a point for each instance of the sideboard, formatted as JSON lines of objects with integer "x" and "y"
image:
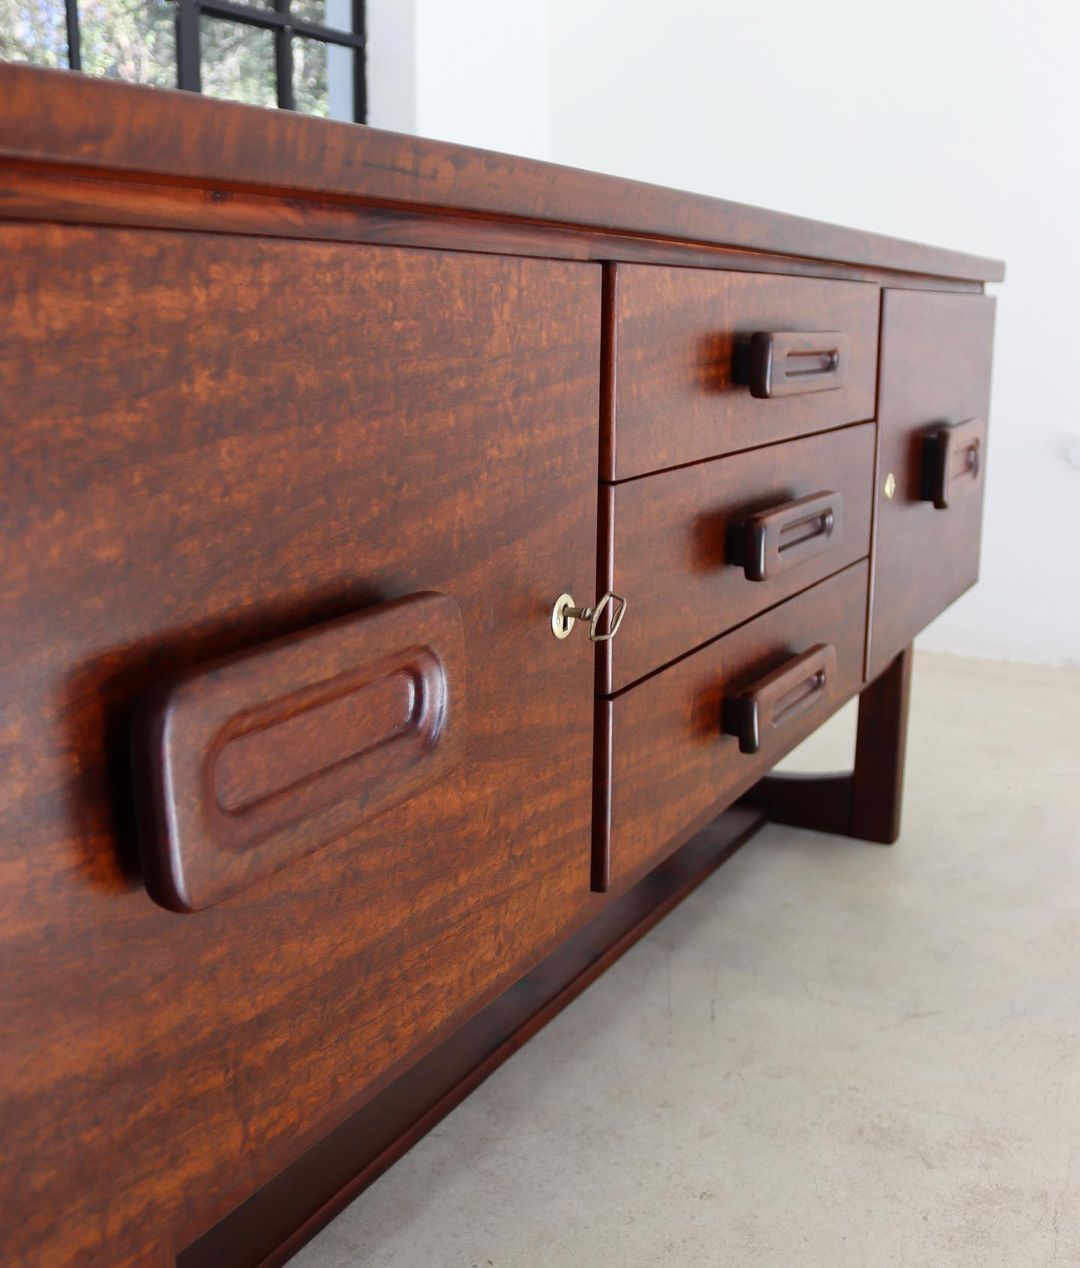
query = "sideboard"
{"x": 415, "y": 562}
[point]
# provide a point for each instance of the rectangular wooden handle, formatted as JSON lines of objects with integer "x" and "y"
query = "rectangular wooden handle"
{"x": 953, "y": 459}
{"x": 255, "y": 760}
{"x": 792, "y": 362}
{"x": 788, "y": 693}
{"x": 769, "y": 542}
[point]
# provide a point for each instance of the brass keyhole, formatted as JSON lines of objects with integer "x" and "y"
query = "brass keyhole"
{"x": 561, "y": 620}
{"x": 566, "y": 612}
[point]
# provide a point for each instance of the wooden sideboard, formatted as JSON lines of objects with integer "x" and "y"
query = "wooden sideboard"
{"x": 328, "y": 773}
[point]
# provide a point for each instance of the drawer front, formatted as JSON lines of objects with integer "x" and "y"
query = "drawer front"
{"x": 294, "y": 498}
{"x": 699, "y": 550}
{"x": 675, "y": 757}
{"x": 695, "y": 350}
{"x": 935, "y": 395}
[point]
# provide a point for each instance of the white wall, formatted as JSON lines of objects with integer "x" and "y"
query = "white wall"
{"x": 473, "y": 71}
{"x": 948, "y": 121}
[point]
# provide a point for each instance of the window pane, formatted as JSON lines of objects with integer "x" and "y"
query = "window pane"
{"x": 335, "y": 13}
{"x": 323, "y": 78}
{"x": 129, "y": 39}
{"x": 33, "y": 31}
{"x": 237, "y": 62}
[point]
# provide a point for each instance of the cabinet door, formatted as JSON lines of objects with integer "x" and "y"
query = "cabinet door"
{"x": 932, "y": 413}
{"x": 210, "y": 445}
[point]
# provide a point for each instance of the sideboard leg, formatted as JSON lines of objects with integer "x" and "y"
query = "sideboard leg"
{"x": 865, "y": 803}
{"x": 877, "y": 782}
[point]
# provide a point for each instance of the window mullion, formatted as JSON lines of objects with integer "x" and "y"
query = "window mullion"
{"x": 359, "y": 64}
{"x": 283, "y": 58}
{"x": 71, "y": 15}
{"x": 188, "y": 68}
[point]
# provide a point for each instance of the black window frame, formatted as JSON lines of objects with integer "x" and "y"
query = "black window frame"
{"x": 280, "y": 20}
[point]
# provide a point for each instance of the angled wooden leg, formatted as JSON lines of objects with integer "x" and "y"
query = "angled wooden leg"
{"x": 877, "y": 782}
{"x": 865, "y": 803}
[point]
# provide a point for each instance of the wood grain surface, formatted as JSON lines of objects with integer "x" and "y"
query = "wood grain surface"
{"x": 673, "y": 768}
{"x": 72, "y": 195}
{"x": 55, "y": 117}
{"x": 263, "y": 374}
{"x": 676, "y": 399}
{"x": 210, "y": 443}
{"x": 672, "y": 545}
{"x": 248, "y": 763}
{"x": 269, "y": 1227}
{"x": 935, "y": 371}
{"x": 865, "y": 803}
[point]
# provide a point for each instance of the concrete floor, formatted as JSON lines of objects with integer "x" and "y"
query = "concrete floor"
{"x": 831, "y": 1054}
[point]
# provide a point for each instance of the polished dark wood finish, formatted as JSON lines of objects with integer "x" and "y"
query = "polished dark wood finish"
{"x": 864, "y": 803}
{"x": 769, "y": 542}
{"x": 247, "y": 763}
{"x": 773, "y": 704}
{"x": 880, "y": 748}
{"x": 676, "y": 395}
{"x": 274, "y": 1222}
{"x": 33, "y": 191}
{"x": 673, "y": 766}
{"x": 952, "y": 461}
{"x": 792, "y": 363}
{"x": 677, "y": 543}
{"x": 52, "y": 117}
{"x": 211, "y": 443}
{"x": 935, "y": 371}
{"x": 306, "y": 428}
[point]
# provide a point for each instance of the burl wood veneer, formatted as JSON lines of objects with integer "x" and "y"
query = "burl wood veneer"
{"x": 309, "y": 813}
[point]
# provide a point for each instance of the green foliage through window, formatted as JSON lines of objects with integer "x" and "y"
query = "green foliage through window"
{"x": 306, "y": 54}
{"x": 33, "y": 31}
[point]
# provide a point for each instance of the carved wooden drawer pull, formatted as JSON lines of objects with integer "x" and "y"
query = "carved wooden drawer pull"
{"x": 252, "y": 761}
{"x": 771, "y": 541}
{"x": 790, "y": 363}
{"x": 803, "y": 683}
{"x": 953, "y": 457}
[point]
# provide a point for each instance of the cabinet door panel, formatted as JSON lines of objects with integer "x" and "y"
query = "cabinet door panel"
{"x": 212, "y": 443}
{"x": 932, "y": 408}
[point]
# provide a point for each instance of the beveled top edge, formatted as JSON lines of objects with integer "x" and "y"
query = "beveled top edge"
{"x": 69, "y": 119}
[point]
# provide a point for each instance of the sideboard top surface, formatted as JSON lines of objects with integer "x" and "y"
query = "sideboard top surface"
{"x": 74, "y": 121}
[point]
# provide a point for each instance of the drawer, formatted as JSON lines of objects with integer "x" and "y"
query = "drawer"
{"x": 699, "y": 550}
{"x": 935, "y": 395}
{"x": 668, "y": 763}
{"x": 703, "y": 363}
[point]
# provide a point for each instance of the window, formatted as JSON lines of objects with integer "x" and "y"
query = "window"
{"x": 303, "y": 55}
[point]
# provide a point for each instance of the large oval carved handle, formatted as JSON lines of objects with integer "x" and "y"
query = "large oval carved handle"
{"x": 253, "y": 761}
{"x": 787, "y": 694}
